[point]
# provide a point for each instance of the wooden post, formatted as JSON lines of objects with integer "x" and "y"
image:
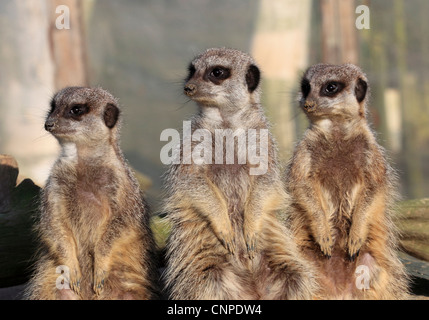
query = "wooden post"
{"x": 280, "y": 47}
{"x": 409, "y": 104}
{"x": 68, "y": 46}
{"x": 27, "y": 85}
{"x": 339, "y": 41}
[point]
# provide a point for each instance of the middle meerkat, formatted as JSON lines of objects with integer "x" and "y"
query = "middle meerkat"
{"x": 226, "y": 241}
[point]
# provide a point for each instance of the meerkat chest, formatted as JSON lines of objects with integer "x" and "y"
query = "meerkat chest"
{"x": 233, "y": 181}
{"x": 90, "y": 195}
{"x": 339, "y": 164}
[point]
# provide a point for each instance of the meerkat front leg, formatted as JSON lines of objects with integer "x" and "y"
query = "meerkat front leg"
{"x": 209, "y": 201}
{"x": 311, "y": 197}
{"x": 103, "y": 253}
{"x": 367, "y": 206}
{"x": 309, "y": 194}
{"x": 212, "y": 204}
{"x": 261, "y": 200}
{"x": 59, "y": 238}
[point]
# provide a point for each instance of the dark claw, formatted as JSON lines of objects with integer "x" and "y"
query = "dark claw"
{"x": 353, "y": 257}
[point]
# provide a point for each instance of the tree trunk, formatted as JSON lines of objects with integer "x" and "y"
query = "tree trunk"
{"x": 280, "y": 46}
{"x": 26, "y": 90}
{"x": 411, "y": 156}
{"x": 68, "y": 46}
{"x": 339, "y": 42}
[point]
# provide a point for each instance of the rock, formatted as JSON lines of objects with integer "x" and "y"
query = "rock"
{"x": 18, "y": 208}
{"x": 8, "y": 175}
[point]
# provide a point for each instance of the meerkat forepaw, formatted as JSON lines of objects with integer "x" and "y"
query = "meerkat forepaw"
{"x": 75, "y": 280}
{"x": 326, "y": 244}
{"x": 354, "y": 245}
{"x": 99, "y": 281}
{"x": 227, "y": 240}
{"x": 251, "y": 244}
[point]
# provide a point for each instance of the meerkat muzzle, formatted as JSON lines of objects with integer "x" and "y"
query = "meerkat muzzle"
{"x": 49, "y": 125}
{"x": 309, "y": 106}
{"x": 190, "y": 89}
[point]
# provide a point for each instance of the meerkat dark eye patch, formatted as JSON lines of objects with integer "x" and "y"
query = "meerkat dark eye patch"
{"x": 111, "y": 115}
{"x": 52, "y": 105}
{"x": 253, "y": 76}
{"x": 360, "y": 90}
{"x": 305, "y": 88}
{"x": 331, "y": 89}
{"x": 218, "y": 74}
{"x": 76, "y": 111}
{"x": 191, "y": 72}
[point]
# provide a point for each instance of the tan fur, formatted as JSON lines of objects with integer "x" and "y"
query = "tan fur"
{"x": 226, "y": 241}
{"x": 343, "y": 190}
{"x": 93, "y": 218}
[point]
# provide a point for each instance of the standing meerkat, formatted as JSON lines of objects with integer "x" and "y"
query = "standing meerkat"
{"x": 342, "y": 190}
{"x": 94, "y": 223}
{"x": 226, "y": 241}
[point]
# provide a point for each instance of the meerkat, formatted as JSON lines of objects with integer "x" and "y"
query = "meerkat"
{"x": 226, "y": 241}
{"x": 343, "y": 189}
{"x": 94, "y": 223}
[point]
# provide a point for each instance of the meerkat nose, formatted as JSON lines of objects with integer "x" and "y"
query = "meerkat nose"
{"x": 49, "y": 125}
{"x": 309, "y": 105}
{"x": 190, "y": 89}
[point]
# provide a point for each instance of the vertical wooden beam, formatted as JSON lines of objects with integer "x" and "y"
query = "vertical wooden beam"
{"x": 68, "y": 46}
{"x": 339, "y": 40}
{"x": 280, "y": 47}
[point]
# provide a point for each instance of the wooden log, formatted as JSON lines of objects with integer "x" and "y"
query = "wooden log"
{"x": 413, "y": 223}
{"x": 17, "y": 243}
{"x": 8, "y": 175}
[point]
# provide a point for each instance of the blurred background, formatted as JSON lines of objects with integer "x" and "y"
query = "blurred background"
{"x": 139, "y": 51}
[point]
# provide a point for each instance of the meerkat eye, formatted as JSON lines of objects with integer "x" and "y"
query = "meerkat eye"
{"x": 78, "y": 109}
{"x": 332, "y": 88}
{"x": 218, "y": 74}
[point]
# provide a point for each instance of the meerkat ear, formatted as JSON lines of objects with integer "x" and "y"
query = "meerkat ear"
{"x": 360, "y": 90}
{"x": 111, "y": 115}
{"x": 253, "y": 76}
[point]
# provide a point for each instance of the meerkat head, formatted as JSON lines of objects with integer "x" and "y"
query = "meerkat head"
{"x": 223, "y": 78}
{"x": 334, "y": 91}
{"x": 83, "y": 116}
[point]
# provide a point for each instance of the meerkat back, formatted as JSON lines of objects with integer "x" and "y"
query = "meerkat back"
{"x": 226, "y": 242}
{"x": 343, "y": 190}
{"x": 95, "y": 240}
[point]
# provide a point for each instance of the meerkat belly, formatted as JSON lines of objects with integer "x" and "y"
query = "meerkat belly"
{"x": 93, "y": 201}
{"x": 234, "y": 182}
{"x": 338, "y": 166}
{"x": 339, "y": 171}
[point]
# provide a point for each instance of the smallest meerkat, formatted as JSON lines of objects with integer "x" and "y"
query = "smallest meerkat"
{"x": 343, "y": 190}
{"x": 94, "y": 225}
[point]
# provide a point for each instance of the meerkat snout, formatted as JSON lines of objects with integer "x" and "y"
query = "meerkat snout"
{"x": 49, "y": 125}
{"x": 190, "y": 89}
